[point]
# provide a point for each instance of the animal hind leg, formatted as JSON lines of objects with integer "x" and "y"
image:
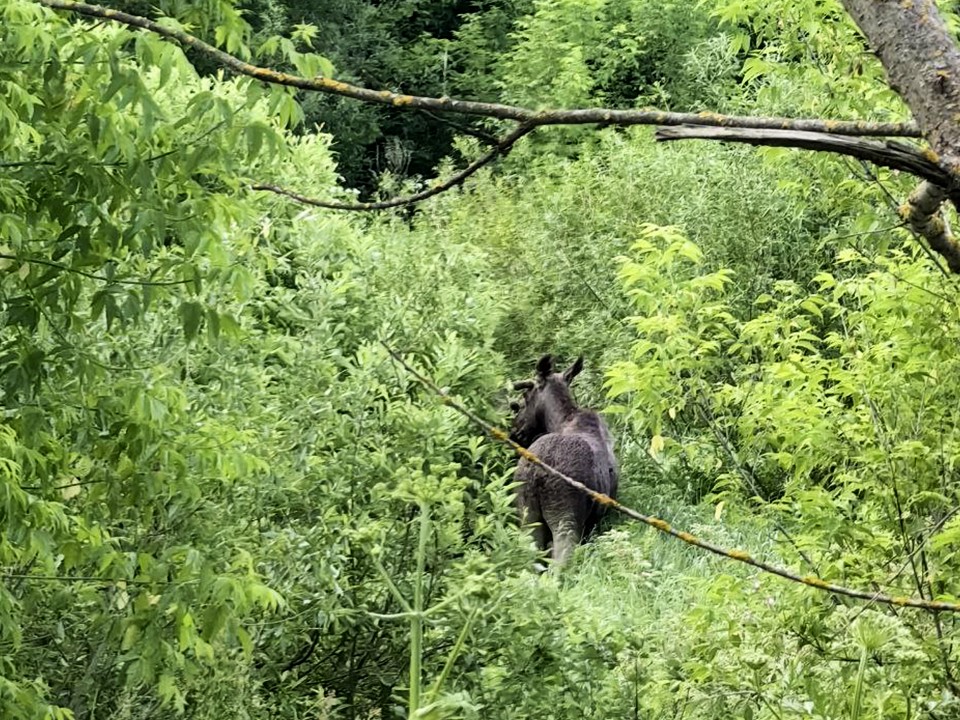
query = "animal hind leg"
{"x": 565, "y": 513}
{"x": 541, "y": 535}
{"x": 532, "y": 518}
{"x": 566, "y": 535}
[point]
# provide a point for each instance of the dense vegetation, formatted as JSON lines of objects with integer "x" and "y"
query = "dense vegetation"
{"x": 220, "y": 496}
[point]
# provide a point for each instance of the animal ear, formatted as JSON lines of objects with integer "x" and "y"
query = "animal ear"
{"x": 571, "y": 372}
{"x": 523, "y": 385}
{"x": 545, "y": 366}
{"x": 515, "y": 406}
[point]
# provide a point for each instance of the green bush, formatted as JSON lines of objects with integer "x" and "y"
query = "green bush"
{"x": 819, "y": 411}
{"x": 220, "y": 494}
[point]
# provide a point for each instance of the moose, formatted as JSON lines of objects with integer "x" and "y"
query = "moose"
{"x": 571, "y": 439}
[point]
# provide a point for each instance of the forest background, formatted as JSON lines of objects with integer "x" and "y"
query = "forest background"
{"x": 221, "y": 497}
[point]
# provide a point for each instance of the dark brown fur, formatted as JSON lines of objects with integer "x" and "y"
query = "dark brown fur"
{"x": 571, "y": 439}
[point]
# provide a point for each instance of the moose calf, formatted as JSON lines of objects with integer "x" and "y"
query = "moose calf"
{"x": 571, "y": 439}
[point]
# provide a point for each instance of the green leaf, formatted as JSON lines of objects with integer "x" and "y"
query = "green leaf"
{"x": 130, "y": 636}
{"x": 191, "y": 315}
{"x": 214, "y": 618}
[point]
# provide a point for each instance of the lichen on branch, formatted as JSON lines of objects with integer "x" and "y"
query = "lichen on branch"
{"x": 922, "y": 213}
{"x": 527, "y": 116}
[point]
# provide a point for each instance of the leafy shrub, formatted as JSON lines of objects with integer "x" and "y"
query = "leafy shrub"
{"x": 822, "y": 411}
{"x": 207, "y": 455}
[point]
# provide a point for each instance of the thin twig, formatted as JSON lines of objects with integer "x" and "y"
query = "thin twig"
{"x": 122, "y": 163}
{"x": 746, "y": 474}
{"x": 895, "y": 206}
{"x": 898, "y": 278}
{"x": 878, "y": 231}
{"x": 93, "y": 579}
{"x": 64, "y": 487}
{"x": 481, "y": 135}
{"x": 93, "y": 276}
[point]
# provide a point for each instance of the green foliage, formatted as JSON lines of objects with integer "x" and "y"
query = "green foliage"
{"x": 682, "y": 326}
{"x": 806, "y": 58}
{"x": 195, "y": 398}
{"x": 441, "y": 48}
{"x": 539, "y": 54}
{"x": 822, "y": 410}
{"x": 555, "y": 235}
{"x": 549, "y": 65}
{"x": 220, "y": 496}
{"x": 570, "y": 53}
{"x": 117, "y": 204}
{"x": 618, "y": 54}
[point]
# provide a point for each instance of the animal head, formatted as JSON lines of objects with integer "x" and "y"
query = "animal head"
{"x": 545, "y": 398}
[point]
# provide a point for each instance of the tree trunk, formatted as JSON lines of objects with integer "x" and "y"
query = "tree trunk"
{"x": 923, "y": 65}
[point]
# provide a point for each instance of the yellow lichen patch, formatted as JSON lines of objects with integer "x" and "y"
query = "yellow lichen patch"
{"x": 335, "y": 85}
{"x": 830, "y": 124}
{"x": 659, "y": 524}
{"x": 901, "y": 601}
{"x": 740, "y": 555}
{"x": 279, "y": 77}
{"x": 498, "y": 434}
{"x": 605, "y": 500}
{"x": 401, "y": 100}
{"x": 813, "y": 580}
{"x": 527, "y": 455}
{"x": 717, "y": 118}
{"x": 929, "y": 154}
{"x": 687, "y": 537}
{"x": 271, "y": 75}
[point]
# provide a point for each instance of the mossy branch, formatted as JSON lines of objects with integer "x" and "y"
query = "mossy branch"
{"x": 528, "y": 116}
{"x": 922, "y": 213}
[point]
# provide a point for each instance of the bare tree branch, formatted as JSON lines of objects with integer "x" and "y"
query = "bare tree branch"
{"x": 527, "y": 116}
{"x": 922, "y": 213}
{"x": 901, "y": 33}
{"x": 896, "y": 155}
{"x": 502, "y": 148}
